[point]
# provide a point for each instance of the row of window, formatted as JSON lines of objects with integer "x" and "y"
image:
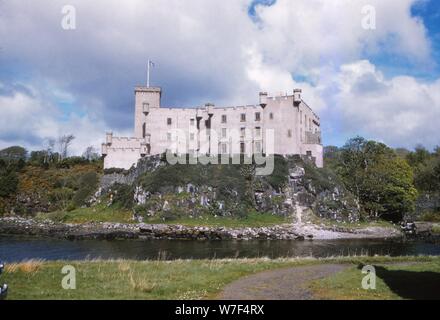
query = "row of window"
{"x": 224, "y": 118}
{"x": 224, "y": 134}
{"x": 257, "y": 147}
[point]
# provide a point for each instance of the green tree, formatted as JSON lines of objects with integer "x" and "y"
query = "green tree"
{"x": 13, "y": 154}
{"x": 8, "y": 182}
{"x": 381, "y": 181}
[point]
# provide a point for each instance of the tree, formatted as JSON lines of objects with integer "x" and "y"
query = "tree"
{"x": 64, "y": 143}
{"x": 419, "y": 157}
{"x": 13, "y": 154}
{"x": 90, "y": 153}
{"x": 8, "y": 183}
{"x": 381, "y": 181}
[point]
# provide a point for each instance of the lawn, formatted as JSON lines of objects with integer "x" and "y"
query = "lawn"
{"x": 193, "y": 279}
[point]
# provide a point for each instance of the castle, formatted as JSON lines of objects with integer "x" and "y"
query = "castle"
{"x": 282, "y": 124}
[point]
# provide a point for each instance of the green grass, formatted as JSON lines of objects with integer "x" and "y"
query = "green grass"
{"x": 400, "y": 281}
{"x": 436, "y": 228}
{"x": 83, "y": 215}
{"x": 110, "y": 214}
{"x": 253, "y": 219}
{"x": 355, "y": 225}
{"x": 180, "y": 279}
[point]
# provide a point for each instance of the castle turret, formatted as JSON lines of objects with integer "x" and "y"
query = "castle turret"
{"x": 146, "y": 98}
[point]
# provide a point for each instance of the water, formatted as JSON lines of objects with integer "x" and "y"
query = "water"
{"x": 14, "y": 248}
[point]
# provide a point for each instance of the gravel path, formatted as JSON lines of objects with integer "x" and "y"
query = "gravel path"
{"x": 282, "y": 284}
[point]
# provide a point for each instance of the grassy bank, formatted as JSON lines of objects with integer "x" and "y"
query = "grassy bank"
{"x": 99, "y": 213}
{"x": 109, "y": 214}
{"x": 188, "y": 279}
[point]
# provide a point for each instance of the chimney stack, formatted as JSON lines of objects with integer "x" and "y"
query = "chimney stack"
{"x": 263, "y": 99}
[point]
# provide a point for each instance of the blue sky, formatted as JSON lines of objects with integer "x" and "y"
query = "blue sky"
{"x": 382, "y": 83}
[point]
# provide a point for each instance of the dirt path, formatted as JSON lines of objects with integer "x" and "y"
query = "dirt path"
{"x": 282, "y": 284}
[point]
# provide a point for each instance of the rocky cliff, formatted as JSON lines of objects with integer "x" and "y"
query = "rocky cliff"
{"x": 295, "y": 189}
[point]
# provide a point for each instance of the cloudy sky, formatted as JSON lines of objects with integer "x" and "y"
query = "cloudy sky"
{"x": 382, "y": 83}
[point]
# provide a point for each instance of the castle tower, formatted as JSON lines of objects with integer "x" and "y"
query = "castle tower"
{"x": 146, "y": 98}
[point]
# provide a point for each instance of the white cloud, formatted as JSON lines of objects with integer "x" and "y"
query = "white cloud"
{"x": 30, "y": 120}
{"x": 210, "y": 51}
{"x": 400, "y": 111}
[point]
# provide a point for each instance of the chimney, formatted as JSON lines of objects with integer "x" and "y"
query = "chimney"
{"x": 109, "y": 138}
{"x": 297, "y": 96}
{"x": 263, "y": 99}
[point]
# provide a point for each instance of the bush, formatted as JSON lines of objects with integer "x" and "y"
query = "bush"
{"x": 430, "y": 216}
{"x": 67, "y": 163}
{"x": 87, "y": 186}
{"x": 279, "y": 177}
{"x": 116, "y": 170}
{"x": 123, "y": 196}
{"x": 8, "y": 183}
{"x": 61, "y": 198}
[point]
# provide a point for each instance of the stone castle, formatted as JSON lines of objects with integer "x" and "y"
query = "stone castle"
{"x": 282, "y": 124}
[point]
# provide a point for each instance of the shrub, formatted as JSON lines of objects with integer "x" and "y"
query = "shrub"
{"x": 87, "y": 185}
{"x": 8, "y": 183}
{"x": 123, "y": 196}
{"x": 279, "y": 177}
{"x": 430, "y": 216}
{"x": 61, "y": 197}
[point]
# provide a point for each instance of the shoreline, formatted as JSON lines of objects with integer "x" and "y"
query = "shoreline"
{"x": 143, "y": 231}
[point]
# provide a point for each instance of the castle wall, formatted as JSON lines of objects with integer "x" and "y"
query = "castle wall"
{"x": 295, "y": 126}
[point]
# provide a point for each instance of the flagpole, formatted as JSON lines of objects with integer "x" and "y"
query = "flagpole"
{"x": 148, "y": 74}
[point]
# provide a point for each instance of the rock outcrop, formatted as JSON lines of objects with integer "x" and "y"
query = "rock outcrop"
{"x": 299, "y": 190}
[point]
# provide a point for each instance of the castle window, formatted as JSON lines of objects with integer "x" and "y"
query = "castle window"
{"x": 242, "y": 132}
{"x": 192, "y": 121}
{"x": 242, "y": 147}
{"x": 257, "y": 116}
{"x": 223, "y": 148}
{"x": 289, "y": 133}
{"x": 191, "y": 136}
{"x": 169, "y": 121}
{"x": 224, "y": 131}
{"x": 144, "y": 130}
{"x": 257, "y": 132}
{"x": 243, "y": 117}
{"x": 309, "y": 153}
{"x": 271, "y": 116}
{"x": 223, "y": 118}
